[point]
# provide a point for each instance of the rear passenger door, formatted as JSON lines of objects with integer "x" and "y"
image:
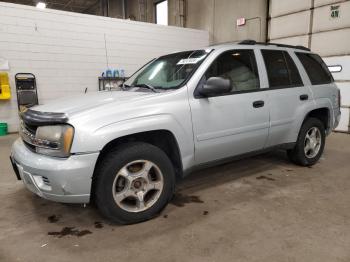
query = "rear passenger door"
{"x": 287, "y": 96}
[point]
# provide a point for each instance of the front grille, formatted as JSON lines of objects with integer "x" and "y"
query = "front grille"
{"x": 26, "y": 132}
{"x": 32, "y": 129}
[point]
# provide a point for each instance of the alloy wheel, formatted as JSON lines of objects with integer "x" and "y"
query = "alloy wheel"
{"x": 137, "y": 186}
{"x": 312, "y": 142}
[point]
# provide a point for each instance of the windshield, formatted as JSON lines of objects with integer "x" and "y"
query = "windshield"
{"x": 169, "y": 71}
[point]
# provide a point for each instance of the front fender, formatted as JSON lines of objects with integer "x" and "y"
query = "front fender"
{"x": 105, "y": 134}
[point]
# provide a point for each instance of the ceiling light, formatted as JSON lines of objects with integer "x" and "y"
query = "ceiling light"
{"x": 41, "y": 5}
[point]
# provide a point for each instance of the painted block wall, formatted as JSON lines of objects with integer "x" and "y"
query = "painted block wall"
{"x": 68, "y": 51}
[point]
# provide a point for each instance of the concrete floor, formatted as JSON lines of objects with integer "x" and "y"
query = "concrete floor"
{"x": 258, "y": 209}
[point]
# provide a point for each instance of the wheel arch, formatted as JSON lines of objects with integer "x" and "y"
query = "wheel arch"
{"x": 162, "y": 138}
{"x": 323, "y": 114}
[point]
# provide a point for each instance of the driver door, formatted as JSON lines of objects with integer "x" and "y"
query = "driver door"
{"x": 236, "y": 122}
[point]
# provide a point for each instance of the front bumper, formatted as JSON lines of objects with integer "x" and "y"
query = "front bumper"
{"x": 62, "y": 180}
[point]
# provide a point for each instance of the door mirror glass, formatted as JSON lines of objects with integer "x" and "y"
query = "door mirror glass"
{"x": 215, "y": 86}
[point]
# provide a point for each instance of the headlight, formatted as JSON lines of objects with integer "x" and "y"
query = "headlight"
{"x": 54, "y": 140}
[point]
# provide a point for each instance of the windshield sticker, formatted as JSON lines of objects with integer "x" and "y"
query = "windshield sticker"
{"x": 188, "y": 61}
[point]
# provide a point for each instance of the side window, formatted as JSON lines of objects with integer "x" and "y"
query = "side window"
{"x": 315, "y": 68}
{"x": 281, "y": 70}
{"x": 239, "y": 66}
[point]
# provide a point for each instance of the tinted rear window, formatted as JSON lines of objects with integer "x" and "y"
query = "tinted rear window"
{"x": 281, "y": 70}
{"x": 315, "y": 68}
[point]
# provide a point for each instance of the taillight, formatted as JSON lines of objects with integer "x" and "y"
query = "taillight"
{"x": 339, "y": 98}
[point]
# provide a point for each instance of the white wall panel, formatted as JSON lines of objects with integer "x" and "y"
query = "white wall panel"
{"x": 325, "y": 2}
{"x": 344, "y": 121}
{"x": 345, "y": 93}
{"x": 332, "y": 43}
{"x": 290, "y": 25}
{"x": 282, "y": 7}
{"x": 68, "y": 51}
{"x": 296, "y": 40}
{"x": 324, "y": 22}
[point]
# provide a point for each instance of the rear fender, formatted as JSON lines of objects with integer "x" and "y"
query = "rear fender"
{"x": 319, "y": 103}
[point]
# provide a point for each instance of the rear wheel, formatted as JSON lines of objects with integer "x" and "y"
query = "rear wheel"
{"x": 134, "y": 183}
{"x": 310, "y": 144}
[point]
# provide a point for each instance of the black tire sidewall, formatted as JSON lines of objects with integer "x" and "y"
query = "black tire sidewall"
{"x": 109, "y": 168}
{"x": 298, "y": 155}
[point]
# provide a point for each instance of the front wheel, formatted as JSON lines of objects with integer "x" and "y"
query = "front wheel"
{"x": 310, "y": 144}
{"x": 134, "y": 183}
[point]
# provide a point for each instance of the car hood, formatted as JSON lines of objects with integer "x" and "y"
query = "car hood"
{"x": 80, "y": 103}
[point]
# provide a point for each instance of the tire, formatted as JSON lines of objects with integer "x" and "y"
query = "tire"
{"x": 300, "y": 154}
{"x": 122, "y": 172}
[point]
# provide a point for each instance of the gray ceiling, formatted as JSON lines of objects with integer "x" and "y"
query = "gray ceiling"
{"x": 81, "y": 6}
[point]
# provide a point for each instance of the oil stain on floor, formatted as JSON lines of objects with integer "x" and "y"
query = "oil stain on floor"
{"x": 181, "y": 200}
{"x": 69, "y": 231}
{"x": 53, "y": 219}
{"x": 98, "y": 224}
{"x": 265, "y": 177}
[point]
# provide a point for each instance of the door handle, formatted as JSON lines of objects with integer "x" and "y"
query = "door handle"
{"x": 259, "y": 103}
{"x": 304, "y": 97}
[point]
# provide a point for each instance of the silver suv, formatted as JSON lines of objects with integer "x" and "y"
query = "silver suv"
{"x": 125, "y": 149}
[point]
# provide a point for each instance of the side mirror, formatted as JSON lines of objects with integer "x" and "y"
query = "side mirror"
{"x": 215, "y": 86}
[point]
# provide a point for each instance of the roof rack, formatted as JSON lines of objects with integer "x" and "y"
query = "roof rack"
{"x": 253, "y": 42}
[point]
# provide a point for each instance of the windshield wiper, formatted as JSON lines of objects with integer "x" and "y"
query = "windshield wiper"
{"x": 124, "y": 86}
{"x": 146, "y": 86}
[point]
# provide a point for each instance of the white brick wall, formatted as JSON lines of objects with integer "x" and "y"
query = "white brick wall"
{"x": 67, "y": 51}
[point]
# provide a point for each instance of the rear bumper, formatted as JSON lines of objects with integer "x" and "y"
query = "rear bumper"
{"x": 62, "y": 180}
